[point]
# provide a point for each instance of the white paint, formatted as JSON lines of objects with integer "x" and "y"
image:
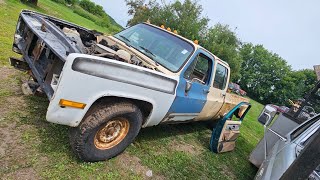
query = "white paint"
{"x": 87, "y": 89}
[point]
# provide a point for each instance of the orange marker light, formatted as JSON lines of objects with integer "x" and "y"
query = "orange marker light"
{"x": 67, "y": 103}
{"x": 168, "y": 29}
{"x": 175, "y": 31}
{"x": 162, "y": 26}
{"x": 196, "y": 41}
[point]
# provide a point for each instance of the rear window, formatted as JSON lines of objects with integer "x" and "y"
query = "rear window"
{"x": 221, "y": 77}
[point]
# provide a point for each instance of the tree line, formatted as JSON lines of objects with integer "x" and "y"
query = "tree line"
{"x": 265, "y": 76}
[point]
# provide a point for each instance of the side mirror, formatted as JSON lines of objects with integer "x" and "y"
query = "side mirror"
{"x": 267, "y": 115}
{"x": 188, "y": 86}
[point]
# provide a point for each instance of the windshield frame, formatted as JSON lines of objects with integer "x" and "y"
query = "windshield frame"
{"x": 150, "y": 57}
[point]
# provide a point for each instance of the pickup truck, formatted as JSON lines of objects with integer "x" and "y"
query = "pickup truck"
{"x": 107, "y": 87}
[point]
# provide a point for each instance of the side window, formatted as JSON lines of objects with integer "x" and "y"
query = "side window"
{"x": 199, "y": 69}
{"x": 221, "y": 77}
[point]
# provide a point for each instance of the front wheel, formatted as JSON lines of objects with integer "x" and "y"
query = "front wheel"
{"x": 106, "y": 131}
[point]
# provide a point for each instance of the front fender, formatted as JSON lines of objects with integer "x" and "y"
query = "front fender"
{"x": 86, "y": 78}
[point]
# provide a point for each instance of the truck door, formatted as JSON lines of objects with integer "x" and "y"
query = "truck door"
{"x": 193, "y": 88}
{"x": 217, "y": 93}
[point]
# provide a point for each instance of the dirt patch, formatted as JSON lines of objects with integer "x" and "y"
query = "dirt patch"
{"x": 2, "y": 2}
{"x": 23, "y": 174}
{"x": 5, "y": 71}
{"x": 12, "y": 104}
{"x": 226, "y": 170}
{"x": 11, "y": 98}
{"x": 133, "y": 164}
{"x": 187, "y": 148}
{"x": 14, "y": 153}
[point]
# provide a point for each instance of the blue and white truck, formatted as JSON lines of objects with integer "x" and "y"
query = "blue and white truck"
{"x": 107, "y": 87}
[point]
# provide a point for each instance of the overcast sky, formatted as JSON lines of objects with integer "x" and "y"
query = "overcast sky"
{"x": 290, "y": 28}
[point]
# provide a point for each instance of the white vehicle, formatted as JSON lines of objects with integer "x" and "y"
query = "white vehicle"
{"x": 108, "y": 87}
{"x": 286, "y": 148}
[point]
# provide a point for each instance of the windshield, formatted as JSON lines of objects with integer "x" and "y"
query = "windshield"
{"x": 162, "y": 47}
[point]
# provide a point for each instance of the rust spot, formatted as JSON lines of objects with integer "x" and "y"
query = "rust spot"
{"x": 43, "y": 27}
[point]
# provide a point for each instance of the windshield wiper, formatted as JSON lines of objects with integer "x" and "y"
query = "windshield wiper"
{"x": 147, "y": 50}
{"x": 125, "y": 38}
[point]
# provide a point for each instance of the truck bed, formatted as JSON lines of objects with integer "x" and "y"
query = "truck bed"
{"x": 231, "y": 100}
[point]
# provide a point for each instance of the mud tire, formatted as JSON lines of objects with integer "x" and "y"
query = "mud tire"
{"x": 82, "y": 137}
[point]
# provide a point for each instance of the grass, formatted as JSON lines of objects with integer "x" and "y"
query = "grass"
{"x": 41, "y": 150}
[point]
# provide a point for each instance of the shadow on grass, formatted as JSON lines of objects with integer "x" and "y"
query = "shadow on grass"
{"x": 163, "y": 131}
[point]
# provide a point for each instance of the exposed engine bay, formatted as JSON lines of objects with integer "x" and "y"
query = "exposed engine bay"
{"x": 103, "y": 46}
{"x": 45, "y": 43}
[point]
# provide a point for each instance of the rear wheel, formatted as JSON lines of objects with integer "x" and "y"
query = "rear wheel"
{"x": 106, "y": 131}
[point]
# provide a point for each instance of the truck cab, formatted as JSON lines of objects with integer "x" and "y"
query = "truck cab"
{"x": 202, "y": 88}
{"x": 203, "y": 77}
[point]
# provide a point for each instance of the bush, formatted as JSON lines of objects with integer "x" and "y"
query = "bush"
{"x": 101, "y": 21}
{"x": 91, "y": 7}
{"x": 60, "y": 1}
{"x": 84, "y": 13}
{"x": 71, "y": 1}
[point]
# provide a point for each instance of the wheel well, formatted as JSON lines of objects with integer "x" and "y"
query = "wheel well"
{"x": 144, "y": 106}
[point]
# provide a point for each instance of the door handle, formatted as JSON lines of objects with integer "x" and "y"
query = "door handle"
{"x": 206, "y": 91}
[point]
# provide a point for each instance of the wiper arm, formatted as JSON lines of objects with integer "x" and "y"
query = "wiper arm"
{"x": 147, "y": 50}
{"x": 125, "y": 38}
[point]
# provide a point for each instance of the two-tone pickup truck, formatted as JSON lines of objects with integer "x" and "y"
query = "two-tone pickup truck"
{"x": 108, "y": 87}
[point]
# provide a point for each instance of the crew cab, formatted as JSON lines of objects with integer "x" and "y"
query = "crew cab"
{"x": 107, "y": 87}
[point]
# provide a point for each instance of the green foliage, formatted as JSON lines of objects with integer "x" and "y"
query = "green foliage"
{"x": 33, "y": 2}
{"x": 268, "y": 78}
{"x": 262, "y": 73}
{"x": 60, "y": 1}
{"x": 92, "y": 8}
{"x": 96, "y": 14}
{"x": 296, "y": 84}
{"x": 103, "y": 22}
{"x": 183, "y": 17}
{"x": 224, "y": 43}
{"x": 93, "y": 12}
{"x": 69, "y": 2}
{"x": 72, "y": 2}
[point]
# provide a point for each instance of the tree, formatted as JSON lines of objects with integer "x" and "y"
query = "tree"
{"x": 269, "y": 79}
{"x": 224, "y": 43}
{"x": 184, "y": 17}
{"x": 262, "y": 74}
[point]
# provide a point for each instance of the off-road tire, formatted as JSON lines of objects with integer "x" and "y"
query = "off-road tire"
{"x": 82, "y": 137}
